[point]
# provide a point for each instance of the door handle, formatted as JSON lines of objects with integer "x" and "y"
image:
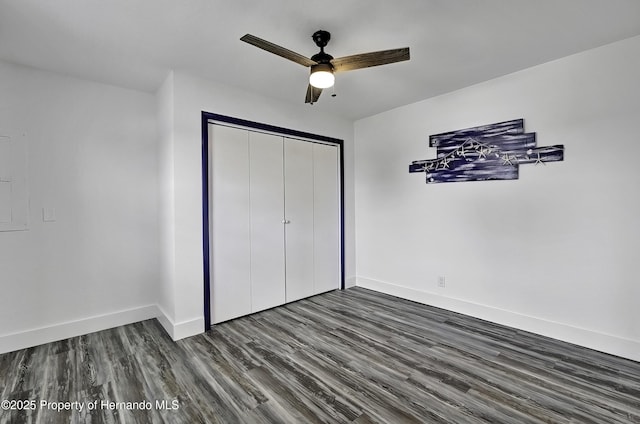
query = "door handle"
{"x": 286, "y": 221}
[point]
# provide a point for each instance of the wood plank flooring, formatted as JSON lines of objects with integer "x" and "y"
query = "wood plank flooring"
{"x": 354, "y": 356}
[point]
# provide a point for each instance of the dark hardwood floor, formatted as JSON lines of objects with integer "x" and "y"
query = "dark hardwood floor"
{"x": 353, "y": 356}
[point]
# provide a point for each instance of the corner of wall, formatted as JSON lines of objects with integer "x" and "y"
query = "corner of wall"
{"x": 182, "y": 329}
{"x": 350, "y": 282}
{"x": 165, "y": 116}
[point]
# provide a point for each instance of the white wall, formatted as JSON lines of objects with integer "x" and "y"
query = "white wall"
{"x": 191, "y": 96}
{"x": 93, "y": 157}
{"x": 554, "y": 252}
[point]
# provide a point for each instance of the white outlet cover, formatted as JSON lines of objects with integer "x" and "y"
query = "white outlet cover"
{"x": 48, "y": 214}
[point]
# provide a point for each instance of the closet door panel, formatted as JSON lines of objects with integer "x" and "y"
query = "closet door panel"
{"x": 229, "y": 209}
{"x": 267, "y": 213}
{"x": 298, "y": 165}
{"x": 326, "y": 226}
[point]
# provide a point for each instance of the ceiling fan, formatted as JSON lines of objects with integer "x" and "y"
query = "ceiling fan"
{"x": 323, "y": 65}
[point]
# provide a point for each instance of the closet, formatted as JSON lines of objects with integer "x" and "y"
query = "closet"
{"x": 275, "y": 220}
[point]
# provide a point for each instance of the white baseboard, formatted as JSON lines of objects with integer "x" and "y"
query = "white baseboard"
{"x": 349, "y": 282}
{"x": 65, "y": 330}
{"x": 182, "y": 329}
{"x": 165, "y": 321}
{"x": 607, "y": 343}
{"x": 188, "y": 328}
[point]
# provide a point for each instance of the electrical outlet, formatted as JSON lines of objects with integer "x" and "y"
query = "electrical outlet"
{"x": 48, "y": 214}
{"x": 441, "y": 282}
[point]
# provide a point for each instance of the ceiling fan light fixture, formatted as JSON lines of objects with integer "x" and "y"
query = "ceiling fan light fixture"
{"x": 323, "y": 65}
{"x": 322, "y": 76}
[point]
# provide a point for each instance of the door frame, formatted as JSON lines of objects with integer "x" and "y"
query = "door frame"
{"x": 213, "y": 118}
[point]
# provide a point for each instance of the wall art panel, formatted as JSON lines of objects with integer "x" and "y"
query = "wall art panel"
{"x": 487, "y": 152}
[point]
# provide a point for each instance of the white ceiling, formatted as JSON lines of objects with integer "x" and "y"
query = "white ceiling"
{"x": 454, "y": 43}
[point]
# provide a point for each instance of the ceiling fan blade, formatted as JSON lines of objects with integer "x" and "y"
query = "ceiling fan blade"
{"x": 313, "y": 94}
{"x": 366, "y": 60}
{"x": 276, "y": 49}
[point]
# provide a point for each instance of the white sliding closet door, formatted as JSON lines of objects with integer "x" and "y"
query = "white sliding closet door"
{"x": 267, "y": 214}
{"x": 326, "y": 221}
{"x": 229, "y": 209}
{"x": 298, "y": 192}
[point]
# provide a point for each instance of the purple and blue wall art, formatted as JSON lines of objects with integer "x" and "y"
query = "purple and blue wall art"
{"x": 487, "y": 152}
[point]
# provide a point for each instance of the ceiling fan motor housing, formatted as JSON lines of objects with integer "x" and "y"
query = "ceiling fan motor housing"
{"x": 322, "y": 57}
{"x": 321, "y": 38}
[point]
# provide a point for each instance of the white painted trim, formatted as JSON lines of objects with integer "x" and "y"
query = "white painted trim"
{"x": 182, "y": 329}
{"x": 349, "y": 282}
{"x": 165, "y": 321}
{"x": 607, "y": 343}
{"x": 188, "y": 328}
{"x": 65, "y": 330}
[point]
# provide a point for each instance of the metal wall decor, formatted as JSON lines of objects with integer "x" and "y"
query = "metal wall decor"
{"x": 487, "y": 152}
